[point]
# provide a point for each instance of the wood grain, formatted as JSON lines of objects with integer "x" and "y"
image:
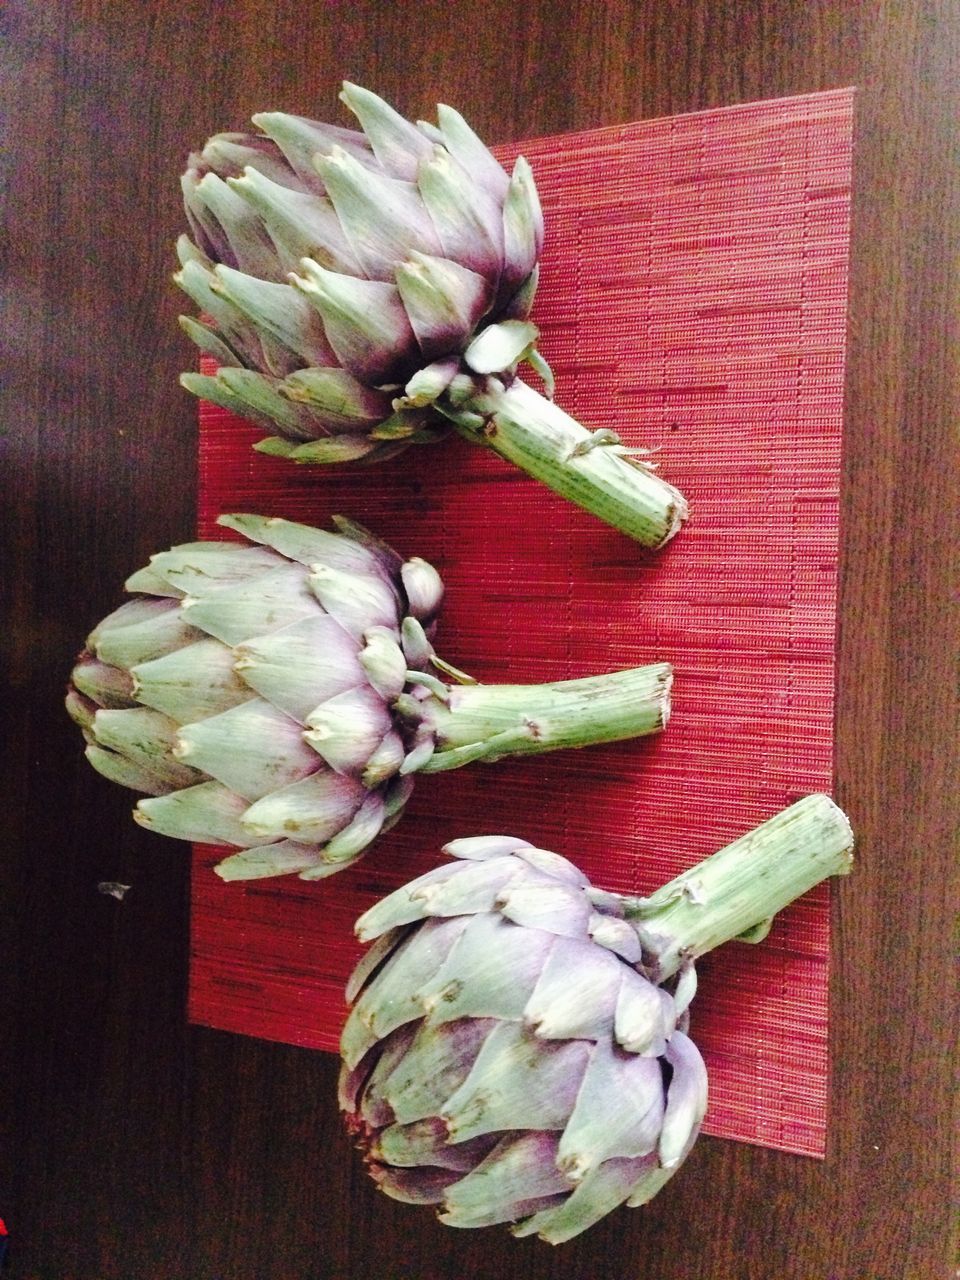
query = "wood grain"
{"x": 133, "y": 1147}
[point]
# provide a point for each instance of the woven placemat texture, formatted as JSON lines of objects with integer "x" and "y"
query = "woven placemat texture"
{"x": 693, "y": 297}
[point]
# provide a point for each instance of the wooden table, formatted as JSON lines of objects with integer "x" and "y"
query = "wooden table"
{"x": 134, "y": 1147}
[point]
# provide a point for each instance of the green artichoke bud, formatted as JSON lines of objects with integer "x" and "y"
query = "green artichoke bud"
{"x": 279, "y": 696}
{"x": 363, "y": 291}
{"x": 517, "y": 1051}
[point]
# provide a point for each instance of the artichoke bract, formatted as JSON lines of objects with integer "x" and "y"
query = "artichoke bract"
{"x": 364, "y": 290}
{"x": 279, "y": 695}
{"x": 518, "y": 1052}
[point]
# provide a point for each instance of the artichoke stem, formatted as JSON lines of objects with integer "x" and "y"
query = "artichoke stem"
{"x": 487, "y": 722}
{"x": 738, "y": 890}
{"x": 590, "y": 469}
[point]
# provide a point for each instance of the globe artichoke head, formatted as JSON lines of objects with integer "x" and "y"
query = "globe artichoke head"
{"x": 506, "y": 1058}
{"x": 279, "y": 696}
{"x": 517, "y": 1049}
{"x": 335, "y": 267}
{"x": 247, "y": 689}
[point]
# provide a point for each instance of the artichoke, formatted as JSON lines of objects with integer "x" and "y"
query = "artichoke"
{"x": 365, "y": 290}
{"x": 279, "y": 696}
{"x": 518, "y": 1050}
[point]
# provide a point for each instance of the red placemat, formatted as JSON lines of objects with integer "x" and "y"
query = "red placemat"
{"x": 693, "y": 297}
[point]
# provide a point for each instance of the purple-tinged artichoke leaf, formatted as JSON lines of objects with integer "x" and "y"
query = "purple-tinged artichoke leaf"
{"x": 392, "y": 997}
{"x": 400, "y": 907}
{"x": 398, "y": 145}
{"x": 215, "y": 392}
{"x": 309, "y": 546}
{"x": 253, "y": 749}
{"x": 334, "y": 449}
{"x": 618, "y": 1111}
{"x": 301, "y": 665}
{"x": 412, "y": 1186}
{"x": 415, "y": 644}
{"x": 148, "y": 581}
{"x": 130, "y": 613}
{"x": 336, "y": 397}
{"x": 686, "y": 1100}
{"x": 639, "y": 1020}
{"x": 396, "y": 793}
{"x": 477, "y": 848}
{"x": 258, "y": 395}
{"x": 443, "y": 300}
{"x": 369, "y": 1100}
{"x": 209, "y": 342}
{"x": 468, "y": 219}
{"x": 349, "y": 843}
{"x": 420, "y": 753}
{"x": 125, "y": 772}
{"x": 271, "y": 601}
{"x": 232, "y": 326}
{"x": 384, "y": 218}
{"x": 370, "y": 961}
{"x": 300, "y": 224}
{"x": 424, "y": 1142}
{"x": 611, "y": 904}
{"x": 278, "y": 309}
{"x": 190, "y": 683}
{"x": 302, "y": 140}
{"x": 685, "y": 988}
{"x": 576, "y": 993}
{"x": 357, "y": 602}
{"x": 347, "y": 728}
{"x": 103, "y": 684}
{"x": 207, "y": 813}
{"x": 616, "y": 935}
{"x": 519, "y": 308}
{"x": 472, "y": 154}
{"x": 187, "y": 251}
{"x": 283, "y": 858}
{"x": 538, "y": 904}
{"x": 474, "y": 984}
{"x": 81, "y": 711}
{"x": 249, "y": 247}
{"x": 651, "y": 1181}
{"x": 276, "y": 362}
{"x": 197, "y": 568}
{"x": 520, "y": 1168}
{"x": 552, "y": 864}
{"x": 493, "y": 1215}
{"x": 428, "y": 383}
{"x": 212, "y": 240}
{"x": 384, "y": 662}
{"x": 500, "y": 346}
{"x": 385, "y": 555}
{"x": 423, "y": 587}
{"x": 439, "y": 1061}
{"x": 271, "y": 446}
{"x": 491, "y": 973}
{"x": 384, "y": 762}
{"x": 228, "y": 154}
{"x": 310, "y": 811}
{"x": 148, "y": 738}
{"x": 148, "y": 630}
{"x": 517, "y": 1082}
{"x": 473, "y": 890}
{"x": 598, "y": 1194}
{"x": 403, "y": 427}
{"x": 540, "y": 366}
{"x": 522, "y": 229}
{"x": 365, "y": 322}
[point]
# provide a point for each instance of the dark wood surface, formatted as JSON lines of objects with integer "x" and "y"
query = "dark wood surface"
{"x": 133, "y": 1147}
